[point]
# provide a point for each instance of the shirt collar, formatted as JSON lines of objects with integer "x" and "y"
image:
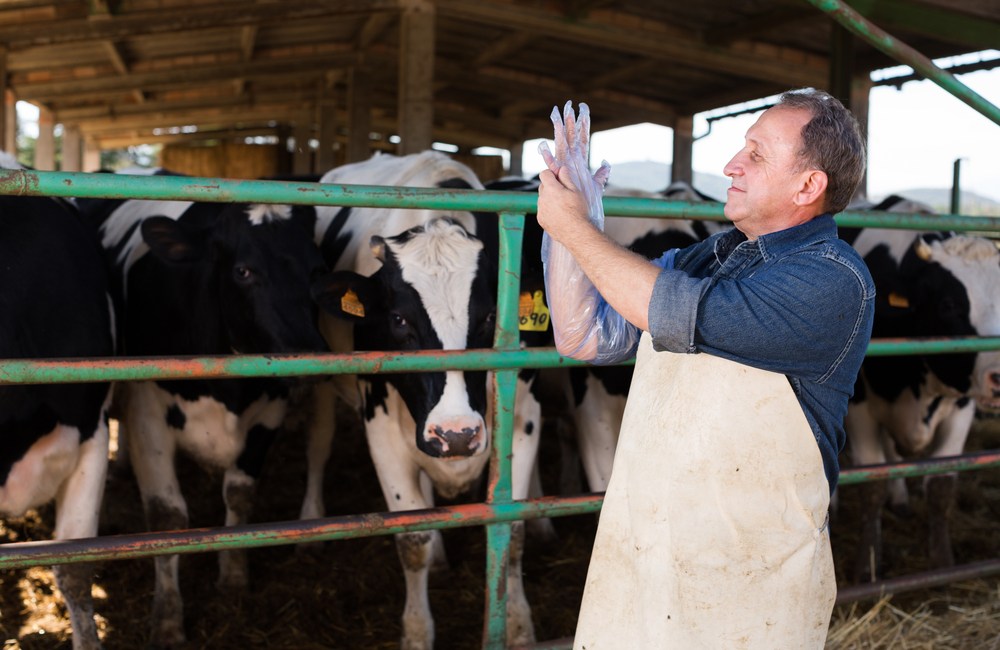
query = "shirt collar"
{"x": 780, "y": 243}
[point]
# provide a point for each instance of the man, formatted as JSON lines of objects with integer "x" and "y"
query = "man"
{"x": 781, "y": 296}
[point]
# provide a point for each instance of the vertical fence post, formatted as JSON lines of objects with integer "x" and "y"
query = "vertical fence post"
{"x": 504, "y": 389}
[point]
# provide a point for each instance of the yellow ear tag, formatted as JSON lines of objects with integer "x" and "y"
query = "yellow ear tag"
{"x": 896, "y": 300}
{"x": 350, "y": 304}
{"x": 532, "y": 314}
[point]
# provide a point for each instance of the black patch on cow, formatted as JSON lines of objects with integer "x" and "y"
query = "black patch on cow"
{"x": 936, "y": 304}
{"x": 53, "y": 305}
{"x": 455, "y": 184}
{"x": 259, "y": 441}
{"x": 653, "y": 244}
{"x": 335, "y": 240}
{"x": 962, "y": 402}
{"x": 615, "y": 379}
{"x": 529, "y": 428}
{"x": 176, "y": 418}
{"x": 931, "y": 409}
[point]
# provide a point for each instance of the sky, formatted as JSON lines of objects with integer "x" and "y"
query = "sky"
{"x": 915, "y": 135}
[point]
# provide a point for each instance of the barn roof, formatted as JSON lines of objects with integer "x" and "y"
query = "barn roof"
{"x": 130, "y": 71}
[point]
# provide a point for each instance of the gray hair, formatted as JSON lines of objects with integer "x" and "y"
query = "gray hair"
{"x": 831, "y": 142}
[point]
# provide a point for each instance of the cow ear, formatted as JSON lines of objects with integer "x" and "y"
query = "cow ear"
{"x": 377, "y": 245}
{"x": 169, "y": 240}
{"x": 346, "y": 295}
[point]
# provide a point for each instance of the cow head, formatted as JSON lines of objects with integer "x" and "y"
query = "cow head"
{"x": 433, "y": 291}
{"x": 257, "y": 263}
{"x": 952, "y": 288}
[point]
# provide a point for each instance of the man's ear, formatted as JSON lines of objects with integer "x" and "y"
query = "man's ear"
{"x": 812, "y": 191}
{"x": 346, "y": 295}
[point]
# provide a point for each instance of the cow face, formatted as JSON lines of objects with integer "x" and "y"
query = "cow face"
{"x": 259, "y": 262}
{"x": 953, "y": 289}
{"x": 432, "y": 292}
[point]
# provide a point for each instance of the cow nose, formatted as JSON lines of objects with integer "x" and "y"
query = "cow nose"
{"x": 459, "y": 438}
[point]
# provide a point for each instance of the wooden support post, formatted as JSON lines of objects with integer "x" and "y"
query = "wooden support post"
{"x": 9, "y": 141}
{"x": 516, "y": 167}
{"x": 326, "y": 116}
{"x": 680, "y": 167}
{"x": 72, "y": 149}
{"x": 302, "y": 154}
{"x": 416, "y": 76}
{"x": 359, "y": 114}
{"x": 861, "y": 88}
{"x": 91, "y": 155}
{"x": 45, "y": 146}
{"x": 841, "y": 63}
{"x": 4, "y": 104}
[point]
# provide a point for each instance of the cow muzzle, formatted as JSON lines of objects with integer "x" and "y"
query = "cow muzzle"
{"x": 457, "y": 438}
{"x": 989, "y": 399}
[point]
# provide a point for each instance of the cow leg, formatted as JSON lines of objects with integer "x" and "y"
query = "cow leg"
{"x": 598, "y": 420}
{"x": 899, "y": 496}
{"x": 940, "y": 492}
{"x": 867, "y": 449}
{"x": 78, "y": 505}
{"x": 527, "y": 437}
{"x": 439, "y": 558}
{"x": 151, "y": 450}
{"x": 527, "y": 433}
{"x": 399, "y": 478}
{"x": 322, "y": 426}
{"x": 239, "y": 489}
{"x": 951, "y": 436}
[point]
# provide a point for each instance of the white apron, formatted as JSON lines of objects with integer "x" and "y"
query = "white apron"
{"x": 713, "y": 530}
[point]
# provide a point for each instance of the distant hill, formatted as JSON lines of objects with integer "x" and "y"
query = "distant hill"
{"x": 655, "y": 176}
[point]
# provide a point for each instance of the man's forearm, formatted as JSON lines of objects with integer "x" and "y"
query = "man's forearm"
{"x": 624, "y": 279}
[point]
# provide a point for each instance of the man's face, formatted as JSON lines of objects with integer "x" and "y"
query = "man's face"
{"x": 765, "y": 174}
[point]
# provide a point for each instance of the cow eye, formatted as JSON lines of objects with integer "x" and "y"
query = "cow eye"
{"x": 243, "y": 273}
{"x": 398, "y": 321}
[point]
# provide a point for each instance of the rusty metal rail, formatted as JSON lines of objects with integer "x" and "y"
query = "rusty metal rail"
{"x": 499, "y": 510}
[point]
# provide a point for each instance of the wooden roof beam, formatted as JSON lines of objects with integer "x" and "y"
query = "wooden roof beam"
{"x": 117, "y": 57}
{"x": 613, "y": 30}
{"x": 188, "y": 75}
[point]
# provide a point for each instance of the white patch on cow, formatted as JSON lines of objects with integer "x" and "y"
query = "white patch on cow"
{"x": 36, "y": 477}
{"x": 9, "y": 161}
{"x": 260, "y": 214}
{"x": 425, "y": 169}
{"x": 975, "y": 262}
{"x": 440, "y": 263}
{"x": 896, "y": 241}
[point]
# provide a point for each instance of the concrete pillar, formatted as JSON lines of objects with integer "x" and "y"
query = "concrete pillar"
{"x": 5, "y": 106}
{"x": 9, "y": 141}
{"x": 326, "y": 155}
{"x": 91, "y": 156}
{"x": 516, "y": 167}
{"x": 861, "y": 88}
{"x": 45, "y": 147}
{"x": 72, "y": 148}
{"x": 680, "y": 167}
{"x": 302, "y": 154}
{"x": 416, "y": 76}
{"x": 359, "y": 114}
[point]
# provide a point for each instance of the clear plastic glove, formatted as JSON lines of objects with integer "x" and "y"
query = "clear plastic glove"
{"x": 583, "y": 324}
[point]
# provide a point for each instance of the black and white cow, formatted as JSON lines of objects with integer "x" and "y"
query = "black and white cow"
{"x": 411, "y": 280}
{"x": 206, "y": 279}
{"x": 934, "y": 284}
{"x": 54, "y": 438}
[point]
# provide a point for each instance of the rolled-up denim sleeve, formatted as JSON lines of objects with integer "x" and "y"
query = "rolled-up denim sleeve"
{"x": 619, "y": 339}
{"x": 673, "y": 310}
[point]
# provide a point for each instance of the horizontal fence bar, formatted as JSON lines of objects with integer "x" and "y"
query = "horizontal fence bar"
{"x": 200, "y": 540}
{"x": 52, "y": 371}
{"x": 19, "y": 182}
{"x": 943, "y": 465}
{"x": 915, "y": 581}
{"x": 116, "y": 547}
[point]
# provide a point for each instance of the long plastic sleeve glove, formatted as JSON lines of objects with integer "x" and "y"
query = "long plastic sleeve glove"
{"x": 582, "y": 321}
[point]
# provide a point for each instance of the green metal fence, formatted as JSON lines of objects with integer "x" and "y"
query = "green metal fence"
{"x": 505, "y": 359}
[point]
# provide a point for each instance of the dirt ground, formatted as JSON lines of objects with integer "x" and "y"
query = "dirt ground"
{"x": 349, "y": 594}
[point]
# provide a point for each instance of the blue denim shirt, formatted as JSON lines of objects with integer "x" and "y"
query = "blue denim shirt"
{"x": 799, "y": 301}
